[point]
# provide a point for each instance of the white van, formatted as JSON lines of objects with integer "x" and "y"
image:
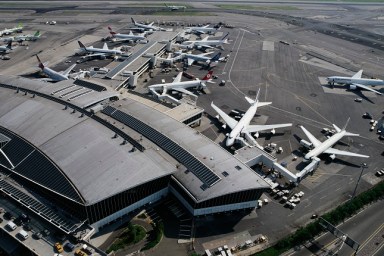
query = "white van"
{"x": 23, "y": 234}
{"x": 11, "y": 225}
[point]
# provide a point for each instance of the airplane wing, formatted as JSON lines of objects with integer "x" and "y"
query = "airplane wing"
{"x": 358, "y": 74}
{"x": 368, "y": 88}
{"x": 205, "y": 53}
{"x": 182, "y": 90}
{"x": 138, "y": 29}
{"x": 312, "y": 138}
{"x": 178, "y": 78}
{"x": 96, "y": 54}
{"x": 205, "y": 39}
{"x": 68, "y": 70}
{"x": 206, "y": 46}
{"x": 227, "y": 119}
{"x": 333, "y": 151}
{"x": 190, "y": 61}
{"x": 258, "y": 128}
{"x": 199, "y": 31}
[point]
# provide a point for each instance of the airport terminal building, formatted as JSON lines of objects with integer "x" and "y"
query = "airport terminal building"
{"x": 71, "y": 165}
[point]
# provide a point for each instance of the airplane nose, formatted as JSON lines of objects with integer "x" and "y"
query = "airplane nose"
{"x": 229, "y": 142}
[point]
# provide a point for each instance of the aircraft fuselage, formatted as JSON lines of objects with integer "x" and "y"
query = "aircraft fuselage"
{"x": 245, "y": 120}
{"x": 325, "y": 145}
{"x": 349, "y": 80}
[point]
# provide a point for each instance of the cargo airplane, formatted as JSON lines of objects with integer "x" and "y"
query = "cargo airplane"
{"x": 127, "y": 37}
{"x": 242, "y": 127}
{"x": 54, "y": 75}
{"x": 179, "y": 86}
{"x": 356, "y": 81}
{"x": 317, "y": 147}
{"x": 149, "y": 27}
{"x": 175, "y": 7}
{"x": 100, "y": 52}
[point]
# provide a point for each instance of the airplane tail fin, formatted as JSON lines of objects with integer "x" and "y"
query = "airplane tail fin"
{"x": 346, "y": 124}
{"x": 37, "y": 34}
{"x": 9, "y": 45}
{"x": 82, "y": 45}
{"x": 113, "y": 33}
{"x": 344, "y": 129}
{"x": 207, "y": 76}
{"x": 216, "y": 57}
{"x": 133, "y": 21}
{"x": 20, "y": 25}
{"x": 41, "y": 65}
{"x": 225, "y": 37}
{"x": 256, "y": 100}
{"x": 251, "y": 101}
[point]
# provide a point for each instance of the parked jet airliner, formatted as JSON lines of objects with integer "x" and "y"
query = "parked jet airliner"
{"x": 100, "y": 52}
{"x": 149, "y": 27}
{"x": 242, "y": 127}
{"x": 316, "y": 147}
{"x": 356, "y": 82}
{"x": 175, "y": 7}
{"x": 54, "y": 75}
{"x": 127, "y": 37}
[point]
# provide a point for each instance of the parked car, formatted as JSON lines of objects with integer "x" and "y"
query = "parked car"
{"x": 69, "y": 246}
{"x": 58, "y": 247}
{"x": 37, "y": 235}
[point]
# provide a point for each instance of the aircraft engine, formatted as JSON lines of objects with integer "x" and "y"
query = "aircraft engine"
{"x": 273, "y": 131}
{"x": 352, "y": 87}
{"x": 306, "y": 144}
{"x": 333, "y": 156}
{"x": 224, "y": 127}
{"x": 256, "y": 135}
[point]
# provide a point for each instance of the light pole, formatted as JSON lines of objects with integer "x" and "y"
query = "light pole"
{"x": 363, "y": 166}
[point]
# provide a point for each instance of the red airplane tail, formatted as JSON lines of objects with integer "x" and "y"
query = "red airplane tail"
{"x": 111, "y": 31}
{"x": 208, "y": 76}
{"x": 41, "y": 65}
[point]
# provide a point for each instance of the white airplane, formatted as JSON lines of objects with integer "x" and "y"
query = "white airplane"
{"x": 149, "y": 27}
{"x": 54, "y": 75}
{"x": 179, "y": 86}
{"x": 204, "y": 43}
{"x": 6, "y": 48}
{"x": 356, "y": 82}
{"x": 7, "y": 39}
{"x": 201, "y": 30}
{"x": 127, "y": 37}
{"x": 28, "y": 37}
{"x": 317, "y": 147}
{"x": 242, "y": 127}
{"x": 175, "y": 7}
{"x": 9, "y": 31}
{"x": 100, "y": 52}
{"x": 191, "y": 58}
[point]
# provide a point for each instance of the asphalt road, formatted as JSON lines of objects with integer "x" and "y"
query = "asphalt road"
{"x": 362, "y": 228}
